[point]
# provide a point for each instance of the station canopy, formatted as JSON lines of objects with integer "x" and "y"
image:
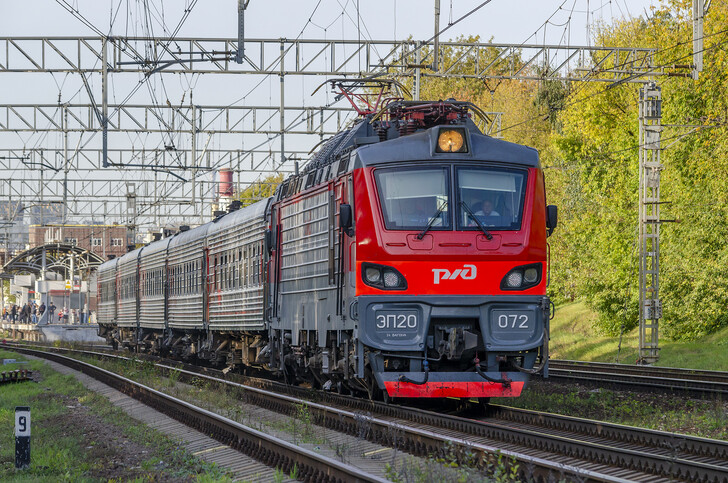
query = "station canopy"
{"x": 58, "y": 258}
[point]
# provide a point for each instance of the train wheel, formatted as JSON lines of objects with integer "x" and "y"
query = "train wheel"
{"x": 481, "y": 404}
{"x": 342, "y": 388}
{"x": 375, "y": 393}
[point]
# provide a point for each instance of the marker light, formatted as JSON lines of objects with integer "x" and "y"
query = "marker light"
{"x": 514, "y": 279}
{"x": 523, "y": 277}
{"x": 382, "y": 277}
{"x": 451, "y": 141}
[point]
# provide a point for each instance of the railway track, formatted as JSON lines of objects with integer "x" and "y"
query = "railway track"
{"x": 710, "y": 384}
{"x": 544, "y": 445}
{"x": 271, "y": 451}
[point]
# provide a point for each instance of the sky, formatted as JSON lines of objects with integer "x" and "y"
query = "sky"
{"x": 556, "y": 22}
{"x": 511, "y": 21}
{"x": 560, "y": 22}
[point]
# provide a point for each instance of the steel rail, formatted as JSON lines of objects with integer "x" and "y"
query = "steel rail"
{"x": 396, "y": 434}
{"x": 258, "y": 445}
{"x": 666, "y": 463}
{"x": 620, "y": 433}
{"x": 644, "y": 378}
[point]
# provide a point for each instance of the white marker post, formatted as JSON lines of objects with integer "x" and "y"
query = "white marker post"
{"x": 22, "y": 437}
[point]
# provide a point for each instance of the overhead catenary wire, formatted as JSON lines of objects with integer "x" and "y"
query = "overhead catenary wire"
{"x": 607, "y": 89}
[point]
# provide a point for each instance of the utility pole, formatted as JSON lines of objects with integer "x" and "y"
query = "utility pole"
{"x": 418, "y": 73}
{"x": 650, "y": 308}
{"x": 282, "y": 108}
{"x": 131, "y": 212}
{"x": 650, "y": 117}
{"x": 104, "y": 106}
{"x": 194, "y": 159}
{"x": 436, "y": 45}
{"x": 65, "y": 172}
{"x": 240, "y": 54}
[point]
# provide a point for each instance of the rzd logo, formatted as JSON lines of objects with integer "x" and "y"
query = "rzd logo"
{"x": 468, "y": 272}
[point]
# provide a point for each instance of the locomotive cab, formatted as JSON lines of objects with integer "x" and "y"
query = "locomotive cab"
{"x": 450, "y": 264}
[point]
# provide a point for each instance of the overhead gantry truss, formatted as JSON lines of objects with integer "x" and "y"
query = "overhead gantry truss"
{"x": 146, "y": 163}
{"x": 324, "y": 58}
{"x": 200, "y": 119}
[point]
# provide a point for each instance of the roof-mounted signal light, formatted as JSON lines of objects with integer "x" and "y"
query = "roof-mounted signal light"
{"x": 451, "y": 141}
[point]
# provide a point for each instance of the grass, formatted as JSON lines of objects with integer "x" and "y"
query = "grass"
{"x": 675, "y": 414}
{"x": 301, "y": 428}
{"x": 573, "y": 337}
{"x": 63, "y": 448}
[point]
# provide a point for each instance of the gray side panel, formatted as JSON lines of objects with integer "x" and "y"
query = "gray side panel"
{"x": 307, "y": 297}
{"x": 236, "y": 282}
{"x": 106, "y": 307}
{"x": 151, "y": 292}
{"x": 128, "y": 285}
{"x": 186, "y": 278}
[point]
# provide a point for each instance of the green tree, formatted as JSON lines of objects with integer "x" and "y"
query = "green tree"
{"x": 260, "y": 189}
{"x": 595, "y": 176}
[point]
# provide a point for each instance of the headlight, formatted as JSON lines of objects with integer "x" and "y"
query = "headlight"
{"x": 451, "y": 141}
{"x": 523, "y": 277}
{"x": 382, "y": 277}
{"x": 373, "y": 275}
{"x": 530, "y": 275}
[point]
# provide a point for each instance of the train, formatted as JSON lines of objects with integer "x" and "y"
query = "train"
{"x": 407, "y": 259}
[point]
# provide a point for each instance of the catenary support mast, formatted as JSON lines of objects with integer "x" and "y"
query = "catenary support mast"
{"x": 650, "y": 115}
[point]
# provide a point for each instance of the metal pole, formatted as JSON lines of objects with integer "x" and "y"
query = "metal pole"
{"x": 194, "y": 158}
{"x": 104, "y": 105}
{"x": 65, "y": 172}
{"x": 282, "y": 109}
{"x": 698, "y": 14}
{"x": 70, "y": 295}
{"x": 418, "y": 72}
{"x": 650, "y": 308}
{"x": 240, "y": 55}
{"x": 436, "y": 47}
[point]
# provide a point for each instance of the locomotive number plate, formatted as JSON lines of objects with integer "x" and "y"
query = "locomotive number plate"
{"x": 512, "y": 321}
{"x": 396, "y": 321}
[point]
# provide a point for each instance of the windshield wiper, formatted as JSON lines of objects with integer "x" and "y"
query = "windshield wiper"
{"x": 439, "y": 211}
{"x": 476, "y": 220}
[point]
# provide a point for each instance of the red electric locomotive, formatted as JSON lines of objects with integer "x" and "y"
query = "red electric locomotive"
{"x": 408, "y": 259}
{"x": 442, "y": 286}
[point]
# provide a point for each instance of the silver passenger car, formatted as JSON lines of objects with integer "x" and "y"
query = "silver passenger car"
{"x": 235, "y": 247}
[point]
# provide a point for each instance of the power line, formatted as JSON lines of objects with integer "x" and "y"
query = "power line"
{"x": 666, "y": 64}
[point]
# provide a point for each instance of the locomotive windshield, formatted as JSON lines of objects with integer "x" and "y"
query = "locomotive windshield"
{"x": 495, "y": 198}
{"x": 411, "y": 198}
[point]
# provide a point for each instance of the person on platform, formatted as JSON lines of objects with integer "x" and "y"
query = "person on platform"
{"x": 65, "y": 315}
{"x": 14, "y": 313}
{"x": 25, "y": 313}
{"x": 34, "y": 313}
{"x": 51, "y": 312}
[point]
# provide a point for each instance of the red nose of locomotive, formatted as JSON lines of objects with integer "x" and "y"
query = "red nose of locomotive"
{"x": 451, "y": 266}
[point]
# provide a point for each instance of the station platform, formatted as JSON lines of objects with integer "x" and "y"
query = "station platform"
{"x": 86, "y": 333}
